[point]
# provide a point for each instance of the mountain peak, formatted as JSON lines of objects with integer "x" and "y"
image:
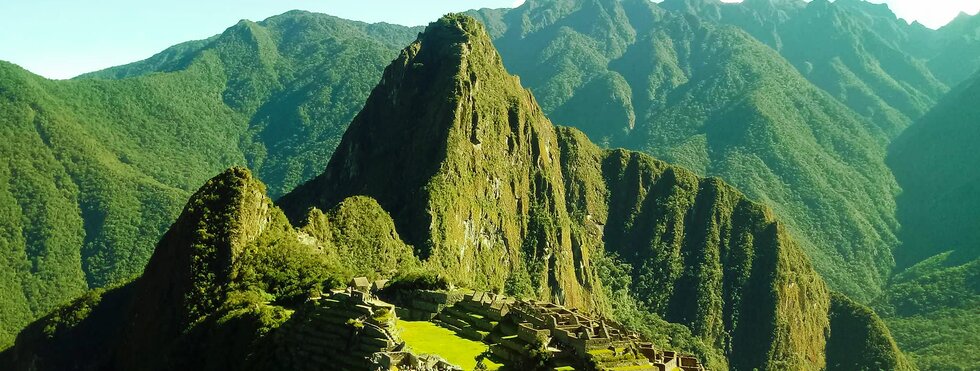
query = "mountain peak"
{"x": 464, "y": 160}
{"x": 456, "y": 23}
{"x": 197, "y": 254}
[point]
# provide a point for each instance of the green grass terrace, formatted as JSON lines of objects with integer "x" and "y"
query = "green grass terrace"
{"x": 424, "y": 337}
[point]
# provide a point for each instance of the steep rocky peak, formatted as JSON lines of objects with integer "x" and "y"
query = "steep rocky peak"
{"x": 465, "y": 162}
{"x": 195, "y": 259}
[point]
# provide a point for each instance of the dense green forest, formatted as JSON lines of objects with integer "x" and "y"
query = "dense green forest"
{"x": 227, "y": 273}
{"x": 932, "y": 304}
{"x": 717, "y": 101}
{"x": 94, "y": 170}
{"x": 503, "y": 202}
{"x": 931, "y": 308}
{"x": 862, "y": 54}
{"x": 935, "y": 162}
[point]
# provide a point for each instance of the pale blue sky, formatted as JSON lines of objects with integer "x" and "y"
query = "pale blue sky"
{"x": 64, "y": 38}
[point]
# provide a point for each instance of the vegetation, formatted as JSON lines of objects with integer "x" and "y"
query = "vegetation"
{"x": 951, "y": 51}
{"x": 465, "y": 163}
{"x": 930, "y": 306}
{"x": 493, "y": 192}
{"x": 616, "y": 276}
{"x": 717, "y": 101}
{"x": 231, "y": 267}
{"x": 418, "y": 279}
{"x": 95, "y": 169}
{"x": 543, "y": 201}
{"x": 362, "y": 237}
{"x": 931, "y": 309}
{"x": 424, "y": 337}
{"x": 859, "y": 340}
{"x": 935, "y": 162}
{"x": 862, "y": 56}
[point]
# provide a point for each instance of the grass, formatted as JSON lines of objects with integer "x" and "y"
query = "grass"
{"x": 428, "y": 338}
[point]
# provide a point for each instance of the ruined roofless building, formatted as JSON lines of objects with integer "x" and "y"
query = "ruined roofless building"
{"x": 360, "y": 284}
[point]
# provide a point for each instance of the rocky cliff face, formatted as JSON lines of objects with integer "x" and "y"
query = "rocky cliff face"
{"x": 702, "y": 255}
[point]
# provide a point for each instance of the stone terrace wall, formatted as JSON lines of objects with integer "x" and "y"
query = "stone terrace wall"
{"x": 343, "y": 331}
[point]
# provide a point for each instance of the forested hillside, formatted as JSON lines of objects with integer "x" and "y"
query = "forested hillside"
{"x": 931, "y": 304}
{"x": 857, "y": 51}
{"x": 953, "y": 51}
{"x": 719, "y": 102}
{"x": 935, "y": 162}
{"x": 95, "y": 169}
{"x": 931, "y": 308}
{"x": 497, "y": 199}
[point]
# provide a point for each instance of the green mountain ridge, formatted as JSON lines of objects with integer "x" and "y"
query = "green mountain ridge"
{"x": 739, "y": 242}
{"x": 931, "y": 309}
{"x": 232, "y": 264}
{"x": 717, "y": 101}
{"x": 934, "y": 162}
{"x": 931, "y": 303}
{"x": 859, "y": 55}
{"x": 952, "y": 51}
{"x": 228, "y": 253}
{"x": 95, "y": 169}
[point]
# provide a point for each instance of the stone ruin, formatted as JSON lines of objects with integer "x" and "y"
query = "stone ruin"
{"x": 512, "y": 327}
{"x": 352, "y": 329}
{"x": 408, "y": 361}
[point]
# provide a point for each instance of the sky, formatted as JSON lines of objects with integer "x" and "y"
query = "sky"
{"x": 64, "y": 38}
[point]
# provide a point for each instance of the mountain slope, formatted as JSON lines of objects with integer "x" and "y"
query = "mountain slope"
{"x": 935, "y": 164}
{"x": 228, "y": 273}
{"x": 233, "y": 267}
{"x": 468, "y": 165}
{"x": 953, "y": 51}
{"x": 931, "y": 304}
{"x": 717, "y": 101}
{"x": 95, "y": 169}
{"x": 861, "y": 56}
{"x": 931, "y": 309}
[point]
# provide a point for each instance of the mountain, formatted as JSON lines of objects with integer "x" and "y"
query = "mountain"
{"x": 861, "y": 55}
{"x": 717, "y": 101}
{"x": 95, "y": 169}
{"x": 214, "y": 289}
{"x": 935, "y": 164}
{"x": 492, "y": 196}
{"x": 931, "y": 309}
{"x": 952, "y": 51}
{"x": 477, "y": 179}
{"x": 930, "y": 304}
